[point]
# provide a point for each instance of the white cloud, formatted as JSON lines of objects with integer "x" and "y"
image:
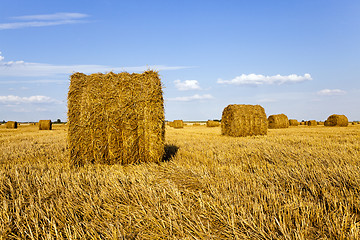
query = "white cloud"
{"x": 1, "y": 57}
{"x": 11, "y": 99}
{"x": 187, "y": 85}
{"x": 331, "y": 92}
{"x": 44, "y": 20}
{"x": 195, "y": 97}
{"x": 22, "y": 69}
{"x": 258, "y": 79}
{"x": 55, "y": 16}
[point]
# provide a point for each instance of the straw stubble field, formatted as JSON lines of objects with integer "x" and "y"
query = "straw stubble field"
{"x": 294, "y": 183}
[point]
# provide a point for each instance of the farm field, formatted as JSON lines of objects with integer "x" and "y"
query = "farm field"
{"x": 294, "y": 183}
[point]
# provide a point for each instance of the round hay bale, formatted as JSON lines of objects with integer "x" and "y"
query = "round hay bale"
{"x": 240, "y": 120}
{"x": 211, "y": 123}
{"x": 116, "y": 118}
{"x": 278, "y": 121}
{"x": 311, "y": 123}
{"x": 11, "y": 124}
{"x": 320, "y": 123}
{"x": 337, "y": 120}
{"x": 178, "y": 124}
{"x": 196, "y": 124}
{"x": 293, "y": 122}
{"x": 45, "y": 125}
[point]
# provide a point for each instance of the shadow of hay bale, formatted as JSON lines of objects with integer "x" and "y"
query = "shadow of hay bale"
{"x": 170, "y": 152}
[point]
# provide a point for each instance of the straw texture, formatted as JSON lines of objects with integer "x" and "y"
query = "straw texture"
{"x": 178, "y": 124}
{"x": 278, "y": 121}
{"x": 45, "y": 125}
{"x": 239, "y": 120}
{"x": 312, "y": 123}
{"x": 211, "y": 123}
{"x": 293, "y": 122}
{"x": 337, "y": 120}
{"x": 116, "y": 118}
{"x": 11, "y": 124}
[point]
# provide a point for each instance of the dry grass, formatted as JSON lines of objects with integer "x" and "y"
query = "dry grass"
{"x": 294, "y": 183}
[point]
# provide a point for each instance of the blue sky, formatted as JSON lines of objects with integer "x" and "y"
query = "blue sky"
{"x": 300, "y": 58}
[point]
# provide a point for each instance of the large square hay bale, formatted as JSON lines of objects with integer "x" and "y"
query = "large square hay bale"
{"x": 337, "y": 120}
{"x": 11, "y": 124}
{"x": 211, "y": 123}
{"x": 240, "y": 120}
{"x": 278, "y": 121}
{"x": 45, "y": 125}
{"x": 293, "y": 122}
{"x": 116, "y": 118}
{"x": 178, "y": 124}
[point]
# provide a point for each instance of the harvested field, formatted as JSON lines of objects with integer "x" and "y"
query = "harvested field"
{"x": 293, "y": 183}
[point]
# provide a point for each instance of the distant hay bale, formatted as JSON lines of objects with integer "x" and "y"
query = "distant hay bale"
{"x": 116, "y": 118}
{"x": 278, "y": 121}
{"x": 311, "y": 123}
{"x": 337, "y": 120}
{"x": 45, "y": 125}
{"x": 178, "y": 124}
{"x": 196, "y": 124}
{"x": 293, "y": 122}
{"x": 211, "y": 123}
{"x": 11, "y": 124}
{"x": 353, "y": 123}
{"x": 302, "y": 123}
{"x": 320, "y": 123}
{"x": 240, "y": 120}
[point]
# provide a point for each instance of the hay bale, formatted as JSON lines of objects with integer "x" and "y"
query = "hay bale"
{"x": 178, "y": 124}
{"x": 320, "y": 123}
{"x": 45, "y": 125}
{"x": 293, "y": 122}
{"x": 278, "y": 121}
{"x": 196, "y": 124}
{"x": 311, "y": 123}
{"x": 337, "y": 120}
{"x": 116, "y": 118}
{"x": 11, "y": 124}
{"x": 211, "y": 123}
{"x": 240, "y": 120}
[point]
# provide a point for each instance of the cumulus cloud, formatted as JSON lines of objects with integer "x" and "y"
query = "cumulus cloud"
{"x": 1, "y": 57}
{"x": 44, "y": 20}
{"x": 258, "y": 79}
{"x": 195, "y": 97}
{"x": 331, "y": 92}
{"x": 11, "y": 99}
{"x": 23, "y": 69}
{"x": 187, "y": 85}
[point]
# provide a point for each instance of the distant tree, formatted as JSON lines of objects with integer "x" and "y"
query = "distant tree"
{"x": 58, "y": 120}
{"x": 3, "y": 121}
